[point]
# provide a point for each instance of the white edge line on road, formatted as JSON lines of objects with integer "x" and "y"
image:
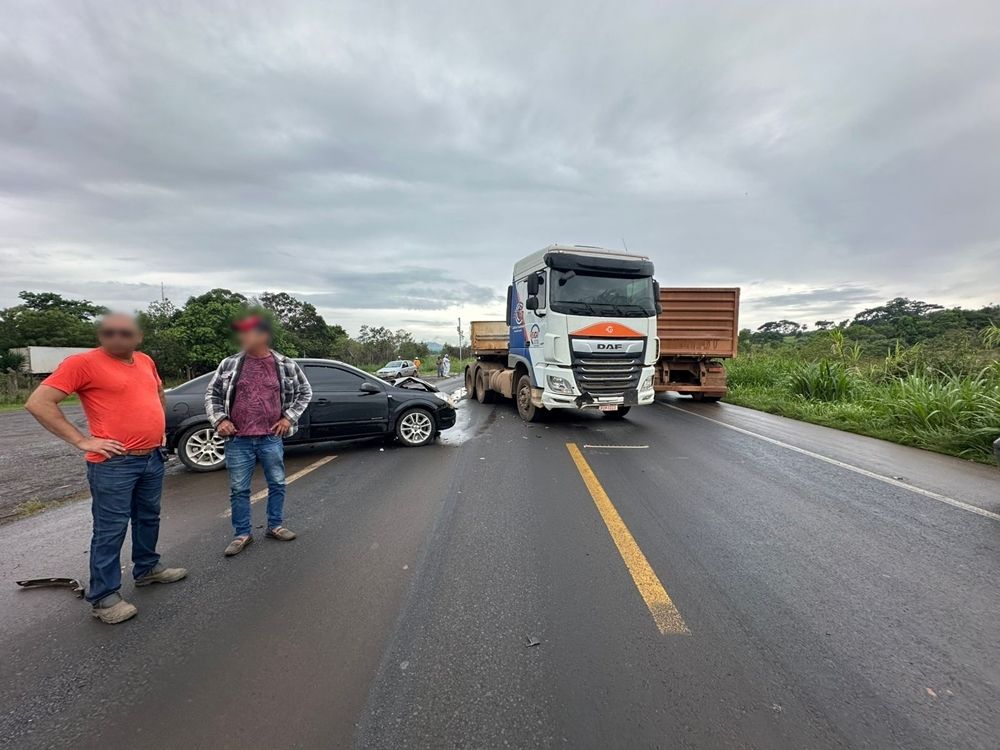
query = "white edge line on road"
{"x": 850, "y": 467}
{"x": 257, "y": 496}
{"x": 619, "y": 447}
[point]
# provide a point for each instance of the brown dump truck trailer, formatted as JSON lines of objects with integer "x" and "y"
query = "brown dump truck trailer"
{"x": 697, "y": 329}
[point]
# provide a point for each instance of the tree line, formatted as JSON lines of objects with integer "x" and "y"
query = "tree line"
{"x": 192, "y": 339}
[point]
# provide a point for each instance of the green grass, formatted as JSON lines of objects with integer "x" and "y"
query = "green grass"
{"x": 953, "y": 413}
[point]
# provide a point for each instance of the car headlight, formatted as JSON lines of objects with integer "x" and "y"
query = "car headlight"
{"x": 647, "y": 384}
{"x": 559, "y": 385}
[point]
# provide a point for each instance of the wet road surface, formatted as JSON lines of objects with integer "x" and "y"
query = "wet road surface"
{"x": 503, "y": 589}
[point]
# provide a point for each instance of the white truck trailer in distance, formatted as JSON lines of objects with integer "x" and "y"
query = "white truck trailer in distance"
{"x": 580, "y": 334}
{"x": 43, "y": 360}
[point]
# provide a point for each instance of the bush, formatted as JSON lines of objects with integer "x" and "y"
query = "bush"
{"x": 821, "y": 381}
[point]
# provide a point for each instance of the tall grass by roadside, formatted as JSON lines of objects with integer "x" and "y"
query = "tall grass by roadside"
{"x": 899, "y": 398}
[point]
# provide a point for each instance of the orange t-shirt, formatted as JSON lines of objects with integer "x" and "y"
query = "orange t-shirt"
{"x": 121, "y": 400}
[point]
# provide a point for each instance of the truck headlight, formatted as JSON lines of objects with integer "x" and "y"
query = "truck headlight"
{"x": 647, "y": 384}
{"x": 559, "y": 385}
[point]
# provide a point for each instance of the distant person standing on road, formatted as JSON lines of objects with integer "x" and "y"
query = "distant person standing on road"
{"x": 122, "y": 397}
{"x": 416, "y": 364}
{"x": 446, "y": 366}
{"x": 255, "y": 399}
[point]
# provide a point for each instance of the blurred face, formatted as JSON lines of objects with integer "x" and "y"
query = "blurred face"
{"x": 119, "y": 334}
{"x": 253, "y": 340}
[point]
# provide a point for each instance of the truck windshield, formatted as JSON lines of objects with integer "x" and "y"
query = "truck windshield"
{"x": 585, "y": 294}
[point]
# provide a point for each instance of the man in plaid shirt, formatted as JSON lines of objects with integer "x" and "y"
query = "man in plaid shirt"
{"x": 254, "y": 400}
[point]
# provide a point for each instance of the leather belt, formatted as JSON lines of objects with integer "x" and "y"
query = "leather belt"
{"x": 139, "y": 452}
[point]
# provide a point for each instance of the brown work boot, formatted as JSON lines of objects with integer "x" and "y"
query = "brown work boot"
{"x": 161, "y": 574}
{"x": 281, "y": 534}
{"x": 112, "y": 609}
{"x": 238, "y": 545}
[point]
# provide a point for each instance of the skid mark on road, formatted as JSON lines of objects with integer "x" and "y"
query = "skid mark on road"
{"x": 850, "y": 467}
{"x": 257, "y": 496}
{"x": 668, "y": 619}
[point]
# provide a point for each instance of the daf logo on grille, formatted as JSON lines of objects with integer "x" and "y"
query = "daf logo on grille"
{"x": 610, "y": 347}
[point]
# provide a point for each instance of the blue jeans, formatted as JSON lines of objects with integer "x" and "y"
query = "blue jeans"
{"x": 123, "y": 488}
{"x": 242, "y": 455}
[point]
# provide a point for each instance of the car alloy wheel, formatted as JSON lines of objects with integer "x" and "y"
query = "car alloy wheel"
{"x": 203, "y": 449}
{"x": 416, "y": 427}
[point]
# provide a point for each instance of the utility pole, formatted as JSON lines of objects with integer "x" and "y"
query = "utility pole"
{"x": 459, "y": 339}
{"x": 163, "y": 297}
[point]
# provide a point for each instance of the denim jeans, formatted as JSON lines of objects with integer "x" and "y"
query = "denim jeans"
{"x": 123, "y": 488}
{"x": 242, "y": 455}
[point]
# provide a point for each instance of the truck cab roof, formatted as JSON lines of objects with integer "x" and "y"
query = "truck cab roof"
{"x": 536, "y": 260}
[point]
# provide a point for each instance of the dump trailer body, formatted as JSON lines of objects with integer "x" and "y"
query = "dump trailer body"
{"x": 698, "y": 327}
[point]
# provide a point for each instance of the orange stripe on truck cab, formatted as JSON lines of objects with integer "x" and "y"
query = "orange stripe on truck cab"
{"x": 607, "y": 330}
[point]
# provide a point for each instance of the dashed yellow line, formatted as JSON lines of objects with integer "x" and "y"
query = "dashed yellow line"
{"x": 668, "y": 619}
{"x": 261, "y": 494}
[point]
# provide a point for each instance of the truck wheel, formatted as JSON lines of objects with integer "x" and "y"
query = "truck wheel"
{"x": 470, "y": 383}
{"x": 200, "y": 449}
{"x": 416, "y": 427}
{"x": 620, "y": 414}
{"x": 483, "y": 393}
{"x": 528, "y": 411}
{"x": 711, "y": 399}
{"x": 697, "y": 396}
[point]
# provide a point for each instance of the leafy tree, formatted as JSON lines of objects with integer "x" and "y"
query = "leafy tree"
{"x": 782, "y": 327}
{"x": 304, "y": 326}
{"x": 162, "y": 340}
{"x": 895, "y": 310}
{"x": 48, "y": 319}
{"x": 824, "y": 325}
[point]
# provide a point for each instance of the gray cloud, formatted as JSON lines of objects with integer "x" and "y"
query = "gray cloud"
{"x": 346, "y": 154}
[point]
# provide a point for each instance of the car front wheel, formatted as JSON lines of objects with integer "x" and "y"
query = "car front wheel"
{"x": 201, "y": 449}
{"x": 415, "y": 427}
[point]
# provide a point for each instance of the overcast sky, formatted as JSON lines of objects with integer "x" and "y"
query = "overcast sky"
{"x": 389, "y": 161}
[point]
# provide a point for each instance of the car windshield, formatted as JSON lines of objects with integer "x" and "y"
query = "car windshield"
{"x": 587, "y": 294}
{"x": 396, "y": 363}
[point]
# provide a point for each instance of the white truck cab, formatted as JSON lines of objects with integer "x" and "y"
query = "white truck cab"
{"x": 581, "y": 333}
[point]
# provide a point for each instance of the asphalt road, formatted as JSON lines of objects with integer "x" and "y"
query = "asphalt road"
{"x": 728, "y": 580}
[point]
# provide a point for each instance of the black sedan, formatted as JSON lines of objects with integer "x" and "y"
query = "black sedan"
{"x": 347, "y": 404}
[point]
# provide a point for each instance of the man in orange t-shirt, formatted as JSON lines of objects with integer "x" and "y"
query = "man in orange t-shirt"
{"x": 122, "y": 397}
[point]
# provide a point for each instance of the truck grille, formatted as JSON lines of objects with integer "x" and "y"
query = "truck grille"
{"x": 607, "y": 376}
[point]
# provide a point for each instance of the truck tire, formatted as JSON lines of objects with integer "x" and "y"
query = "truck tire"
{"x": 621, "y": 413}
{"x": 483, "y": 393}
{"x": 470, "y": 383}
{"x": 528, "y": 411}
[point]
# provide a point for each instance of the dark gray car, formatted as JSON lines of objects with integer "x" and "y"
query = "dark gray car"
{"x": 347, "y": 404}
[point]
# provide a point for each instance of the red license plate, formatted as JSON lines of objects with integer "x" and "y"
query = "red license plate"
{"x": 608, "y": 407}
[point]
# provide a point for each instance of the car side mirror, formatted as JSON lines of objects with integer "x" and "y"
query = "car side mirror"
{"x": 367, "y": 387}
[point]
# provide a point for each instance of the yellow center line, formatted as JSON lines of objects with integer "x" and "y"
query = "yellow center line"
{"x": 257, "y": 496}
{"x": 668, "y": 619}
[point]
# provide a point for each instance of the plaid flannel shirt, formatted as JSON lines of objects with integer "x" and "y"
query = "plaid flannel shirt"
{"x": 295, "y": 389}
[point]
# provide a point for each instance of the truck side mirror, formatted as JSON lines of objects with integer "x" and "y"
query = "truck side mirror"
{"x": 532, "y": 303}
{"x": 533, "y": 285}
{"x": 656, "y": 297}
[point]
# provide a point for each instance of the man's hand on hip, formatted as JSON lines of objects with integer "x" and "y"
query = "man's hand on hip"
{"x": 282, "y": 427}
{"x": 106, "y": 448}
{"x": 225, "y": 428}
